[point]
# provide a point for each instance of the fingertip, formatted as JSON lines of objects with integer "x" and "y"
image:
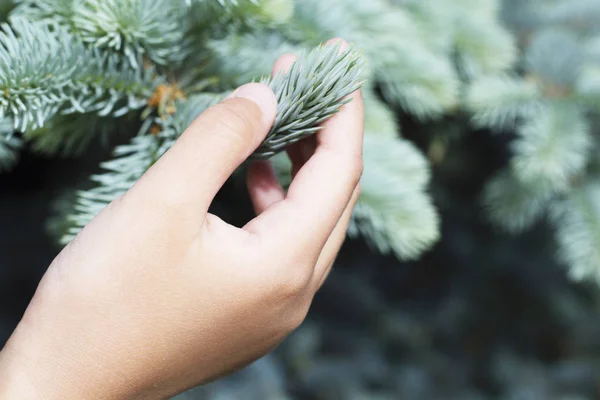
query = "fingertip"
{"x": 343, "y": 44}
{"x": 261, "y": 95}
{"x": 284, "y": 63}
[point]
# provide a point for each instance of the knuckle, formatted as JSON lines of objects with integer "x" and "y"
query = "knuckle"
{"x": 291, "y": 288}
{"x": 294, "y": 284}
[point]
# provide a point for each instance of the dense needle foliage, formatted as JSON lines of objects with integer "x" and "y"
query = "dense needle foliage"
{"x": 75, "y": 72}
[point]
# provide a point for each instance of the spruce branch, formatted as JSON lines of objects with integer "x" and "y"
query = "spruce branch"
{"x": 315, "y": 88}
{"x": 553, "y": 148}
{"x": 71, "y": 134}
{"x": 154, "y": 29}
{"x": 32, "y": 78}
{"x": 577, "y": 222}
{"x": 423, "y": 92}
{"x": 483, "y": 46}
{"x": 105, "y": 85}
{"x": 513, "y": 205}
{"x": 499, "y": 102}
{"x": 137, "y": 28}
{"x": 394, "y": 213}
{"x": 35, "y": 84}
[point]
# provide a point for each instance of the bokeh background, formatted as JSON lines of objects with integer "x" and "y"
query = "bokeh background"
{"x": 485, "y": 314}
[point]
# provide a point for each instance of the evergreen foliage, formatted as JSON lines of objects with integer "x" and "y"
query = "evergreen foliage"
{"x": 314, "y": 88}
{"x": 71, "y": 71}
{"x": 552, "y": 107}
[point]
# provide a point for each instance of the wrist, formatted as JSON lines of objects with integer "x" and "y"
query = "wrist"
{"x": 37, "y": 364}
{"x": 30, "y": 370}
{"x": 28, "y": 374}
{"x": 15, "y": 382}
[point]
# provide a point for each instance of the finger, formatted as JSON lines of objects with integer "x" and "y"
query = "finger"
{"x": 334, "y": 243}
{"x": 263, "y": 186}
{"x": 190, "y": 174}
{"x": 300, "y": 152}
{"x": 333, "y": 171}
{"x": 284, "y": 63}
{"x": 323, "y": 187}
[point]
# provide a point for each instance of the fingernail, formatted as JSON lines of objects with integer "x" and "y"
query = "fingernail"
{"x": 262, "y": 96}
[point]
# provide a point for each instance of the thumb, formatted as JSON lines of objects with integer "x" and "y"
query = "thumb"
{"x": 191, "y": 173}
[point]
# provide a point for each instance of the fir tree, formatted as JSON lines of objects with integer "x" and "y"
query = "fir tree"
{"x": 74, "y": 70}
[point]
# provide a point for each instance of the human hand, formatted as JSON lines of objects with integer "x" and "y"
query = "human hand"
{"x": 156, "y": 295}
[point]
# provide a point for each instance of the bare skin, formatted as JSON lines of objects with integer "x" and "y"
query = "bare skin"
{"x": 156, "y": 295}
